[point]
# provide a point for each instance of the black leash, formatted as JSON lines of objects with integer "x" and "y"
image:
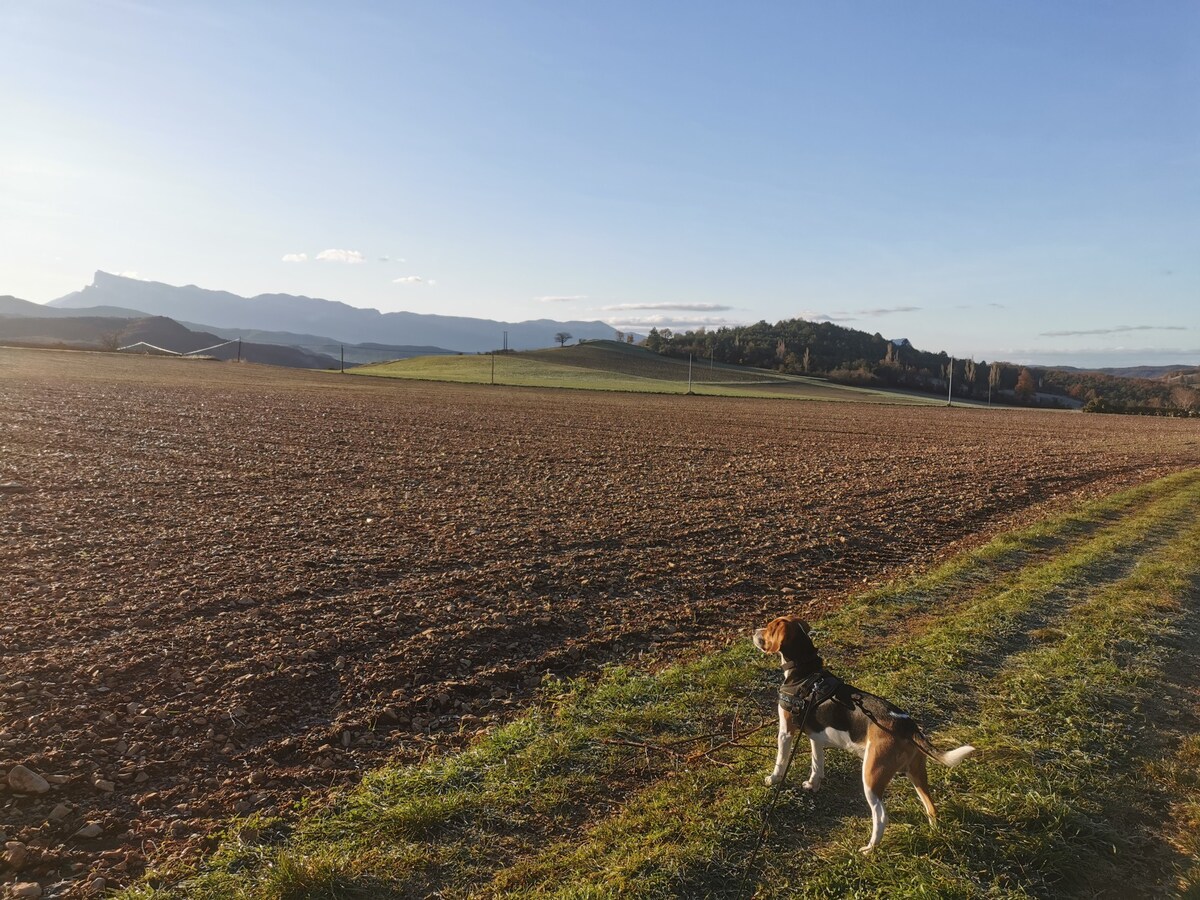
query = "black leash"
{"x": 778, "y": 789}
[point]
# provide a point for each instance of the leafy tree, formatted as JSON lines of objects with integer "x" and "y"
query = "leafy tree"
{"x": 562, "y": 337}
{"x": 1026, "y": 386}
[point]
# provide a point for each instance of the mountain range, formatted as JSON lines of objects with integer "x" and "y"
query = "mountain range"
{"x": 309, "y": 322}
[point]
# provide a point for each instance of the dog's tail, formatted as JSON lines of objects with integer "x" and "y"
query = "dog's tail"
{"x": 950, "y": 758}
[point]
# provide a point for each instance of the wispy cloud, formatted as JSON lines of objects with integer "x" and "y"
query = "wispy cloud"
{"x": 342, "y": 256}
{"x": 837, "y": 316}
{"x": 561, "y": 298}
{"x": 1117, "y": 329}
{"x": 888, "y": 310}
{"x": 295, "y": 257}
{"x": 670, "y": 322}
{"x": 669, "y": 307}
{"x": 391, "y": 259}
{"x": 846, "y": 315}
{"x": 413, "y": 279}
{"x": 134, "y": 275}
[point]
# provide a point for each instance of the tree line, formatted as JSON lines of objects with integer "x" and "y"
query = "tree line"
{"x": 849, "y": 356}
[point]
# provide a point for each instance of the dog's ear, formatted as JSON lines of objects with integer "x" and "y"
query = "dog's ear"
{"x": 789, "y": 635}
{"x": 783, "y": 632}
{"x": 774, "y": 635}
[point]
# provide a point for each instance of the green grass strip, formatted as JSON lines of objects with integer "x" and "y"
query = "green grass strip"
{"x": 705, "y": 836}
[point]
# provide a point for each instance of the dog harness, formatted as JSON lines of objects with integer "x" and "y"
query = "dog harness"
{"x": 807, "y": 692}
{"x": 803, "y": 695}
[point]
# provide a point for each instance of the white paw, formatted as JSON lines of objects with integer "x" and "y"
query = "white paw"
{"x": 811, "y": 785}
{"x": 866, "y": 849}
{"x": 771, "y": 780}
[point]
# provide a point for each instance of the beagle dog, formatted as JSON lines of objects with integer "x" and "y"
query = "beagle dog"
{"x": 885, "y": 737}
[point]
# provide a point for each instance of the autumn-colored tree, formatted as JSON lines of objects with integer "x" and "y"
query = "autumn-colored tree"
{"x": 1026, "y": 385}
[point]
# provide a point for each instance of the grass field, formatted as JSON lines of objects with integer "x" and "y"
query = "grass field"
{"x": 1065, "y": 652}
{"x": 611, "y": 366}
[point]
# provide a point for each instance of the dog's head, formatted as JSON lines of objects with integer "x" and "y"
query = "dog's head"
{"x": 788, "y": 636}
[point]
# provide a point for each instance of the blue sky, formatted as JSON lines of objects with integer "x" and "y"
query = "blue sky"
{"x": 1016, "y": 180}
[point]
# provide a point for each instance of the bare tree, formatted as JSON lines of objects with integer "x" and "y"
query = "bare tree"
{"x": 562, "y": 337}
{"x": 993, "y": 379}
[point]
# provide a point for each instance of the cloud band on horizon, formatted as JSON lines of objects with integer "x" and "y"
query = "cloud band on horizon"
{"x": 670, "y": 307}
{"x": 1117, "y": 329}
{"x": 669, "y": 322}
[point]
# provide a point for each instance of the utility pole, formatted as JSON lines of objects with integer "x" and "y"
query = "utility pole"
{"x": 950, "y": 390}
{"x": 343, "y": 359}
{"x": 689, "y": 373}
{"x": 506, "y": 342}
{"x": 239, "y": 349}
{"x": 493, "y": 367}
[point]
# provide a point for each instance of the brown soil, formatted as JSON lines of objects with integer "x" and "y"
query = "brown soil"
{"x": 224, "y": 587}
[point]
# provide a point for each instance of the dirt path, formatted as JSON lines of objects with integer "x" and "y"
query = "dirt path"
{"x": 224, "y": 587}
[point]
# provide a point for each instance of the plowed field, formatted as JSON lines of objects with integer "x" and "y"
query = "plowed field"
{"x": 225, "y": 587}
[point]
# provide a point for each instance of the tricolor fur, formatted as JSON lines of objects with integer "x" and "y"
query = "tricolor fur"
{"x": 885, "y": 737}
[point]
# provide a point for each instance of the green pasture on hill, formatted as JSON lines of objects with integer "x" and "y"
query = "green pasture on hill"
{"x": 1066, "y": 652}
{"x": 611, "y": 366}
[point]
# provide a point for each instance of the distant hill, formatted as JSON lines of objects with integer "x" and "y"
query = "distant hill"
{"x": 850, "y": 356}
{"x": 307, "y": 315}
{"x": 11, "y": 306}
{"x": 1152, "y": 372}
{"x": 638, "y": 362}
{"x": 106, "y": 332}
{"x": 355, "y": 354}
